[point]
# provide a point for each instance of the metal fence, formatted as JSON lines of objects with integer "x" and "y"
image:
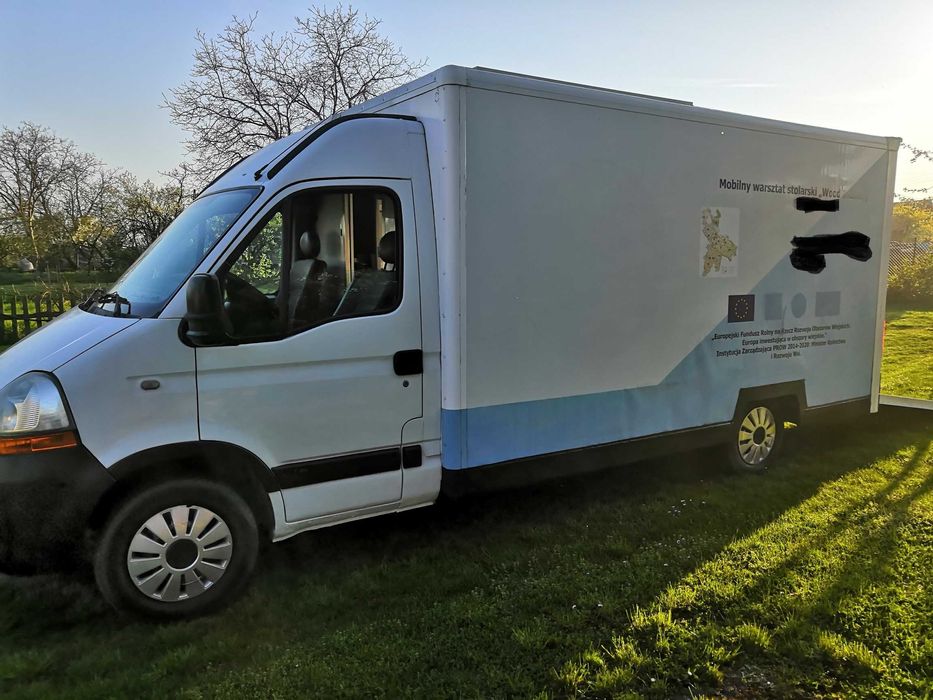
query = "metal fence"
{"x": 906, "y": 253}
{"x": 21, "y": 314}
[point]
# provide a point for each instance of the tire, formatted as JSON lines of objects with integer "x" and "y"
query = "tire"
{"x": 757, "y": 437}
{"x": 208, "y": 551}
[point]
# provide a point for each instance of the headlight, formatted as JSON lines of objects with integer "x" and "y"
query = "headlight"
{"x": 32, "y": 404}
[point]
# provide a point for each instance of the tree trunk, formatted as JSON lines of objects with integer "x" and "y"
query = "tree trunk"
{"x": 35, "y": 244}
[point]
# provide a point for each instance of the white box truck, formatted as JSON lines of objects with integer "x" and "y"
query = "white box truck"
{"x": 479, "y": 277}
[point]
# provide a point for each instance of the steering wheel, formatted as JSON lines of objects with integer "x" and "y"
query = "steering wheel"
{"x": 246, "y": 305}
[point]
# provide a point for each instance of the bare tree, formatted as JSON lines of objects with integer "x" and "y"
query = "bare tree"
{"x": 60, "y": 205}
{"x": 34, "y": 163}
{"x": 147, "y": 209}
{"x": 90, "y": 202}
{"x": 917, "y": 153}
{"x": 246, "y": 91}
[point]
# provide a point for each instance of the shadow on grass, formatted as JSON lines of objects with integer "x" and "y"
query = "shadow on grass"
{"x": 484, "y": 595}
{"x": 814, "y": 602}
{"x": 895, "y": 310}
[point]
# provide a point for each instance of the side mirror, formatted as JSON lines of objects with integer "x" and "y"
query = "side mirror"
{"x": 206, "y": 322}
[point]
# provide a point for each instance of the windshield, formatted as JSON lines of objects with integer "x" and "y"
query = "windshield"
{"x": 155, "y": 277}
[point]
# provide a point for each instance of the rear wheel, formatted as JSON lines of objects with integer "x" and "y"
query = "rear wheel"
{"x": 757, "y": 437}
{"x": 177, "y": 550}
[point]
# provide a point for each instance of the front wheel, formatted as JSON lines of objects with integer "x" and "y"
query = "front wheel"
{"x": 757, "y": 438}
{"x": 177, "y": 550}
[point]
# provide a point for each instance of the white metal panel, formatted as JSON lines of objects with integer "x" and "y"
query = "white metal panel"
{"x": 438, "y": 110}
{"x": 322, "y": 392}
{"x": 327, "y": 391}
{"x": 56, "y": 343}
{"x": 115, "y": 417}
{"x": 582, "y": 239}
{"x": 883, "y": 282}
{"x": 906, "y": 402}
{"x": 285, "y": 529}
{"x": 361, "y": 148}
{"x": 423, "y": 213}
{"x": 531, "y": 86}
{"x": 342, "y": 496}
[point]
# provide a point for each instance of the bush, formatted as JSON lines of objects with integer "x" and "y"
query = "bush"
{"x": 912, "y": 282}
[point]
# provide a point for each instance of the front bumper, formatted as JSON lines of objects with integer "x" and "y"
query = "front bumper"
{"x": 46, "y": 499}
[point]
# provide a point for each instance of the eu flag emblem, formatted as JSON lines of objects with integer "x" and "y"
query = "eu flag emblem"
{"x": 741, "y": 308}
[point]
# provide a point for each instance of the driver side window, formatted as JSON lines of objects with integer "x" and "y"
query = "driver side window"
{"x": 253, "y": 282}
{"x": 261, "y": 263}
{"x": 320, "y": 255}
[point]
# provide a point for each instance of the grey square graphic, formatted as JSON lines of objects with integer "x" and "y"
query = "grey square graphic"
{"x": 774, "y": 307}
{"x": 828, "y": 303}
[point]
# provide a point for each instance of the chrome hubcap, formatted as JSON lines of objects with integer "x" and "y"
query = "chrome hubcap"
{"x": 179, "y": 553}
{"x": 757, "y": 434}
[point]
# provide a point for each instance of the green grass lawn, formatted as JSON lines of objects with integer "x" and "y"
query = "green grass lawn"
{"x": 32, "y": 283}
{"x": 907, "y": 365}
{"x": 668, "y": 578}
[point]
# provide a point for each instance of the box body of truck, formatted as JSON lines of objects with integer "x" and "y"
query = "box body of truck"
{"x": 615, "y": 266}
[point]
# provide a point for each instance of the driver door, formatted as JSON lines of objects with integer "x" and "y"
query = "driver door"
{"x": 322, "y": 296}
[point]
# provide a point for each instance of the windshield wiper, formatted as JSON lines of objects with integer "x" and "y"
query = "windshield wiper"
{"x": 101, "y": 297}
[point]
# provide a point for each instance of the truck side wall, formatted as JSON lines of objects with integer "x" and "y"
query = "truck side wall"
{"x": 576, "y": 307}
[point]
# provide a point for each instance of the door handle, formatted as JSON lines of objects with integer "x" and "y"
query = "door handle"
{"x": 407, "y": 362}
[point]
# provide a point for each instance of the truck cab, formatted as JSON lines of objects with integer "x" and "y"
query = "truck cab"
{"x": 268, "y": 366}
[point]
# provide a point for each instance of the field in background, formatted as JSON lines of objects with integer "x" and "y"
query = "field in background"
{"x": 666, "y": 579}
{"x": 32, "y": 282}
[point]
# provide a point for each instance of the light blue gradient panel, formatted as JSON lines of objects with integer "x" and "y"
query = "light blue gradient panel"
{"x": 703, "y": 388}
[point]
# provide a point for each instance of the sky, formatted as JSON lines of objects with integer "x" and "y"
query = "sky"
{"x": 95, "y": 72}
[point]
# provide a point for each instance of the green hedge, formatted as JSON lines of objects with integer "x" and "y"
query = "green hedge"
{"x": 912, "y": 283}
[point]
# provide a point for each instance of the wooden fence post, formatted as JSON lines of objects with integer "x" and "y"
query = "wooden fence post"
{"x": 14, "y": 316}
{"x": 21, "y": 314}
{"x": 3, "y": 317}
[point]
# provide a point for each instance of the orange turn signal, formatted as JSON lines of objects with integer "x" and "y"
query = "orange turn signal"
{"x": 39, "y": 443}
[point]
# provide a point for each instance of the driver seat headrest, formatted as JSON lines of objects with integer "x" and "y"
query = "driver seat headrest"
{"x": 388, "y": 248}
{"x": 310, "y": 245}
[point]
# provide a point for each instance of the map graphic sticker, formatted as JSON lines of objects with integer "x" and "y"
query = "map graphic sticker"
{"x": 719, "y": 242}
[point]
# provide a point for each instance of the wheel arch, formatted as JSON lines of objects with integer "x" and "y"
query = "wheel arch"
{"x": 222, "y": 462}
{"x": 790, "y": 397}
